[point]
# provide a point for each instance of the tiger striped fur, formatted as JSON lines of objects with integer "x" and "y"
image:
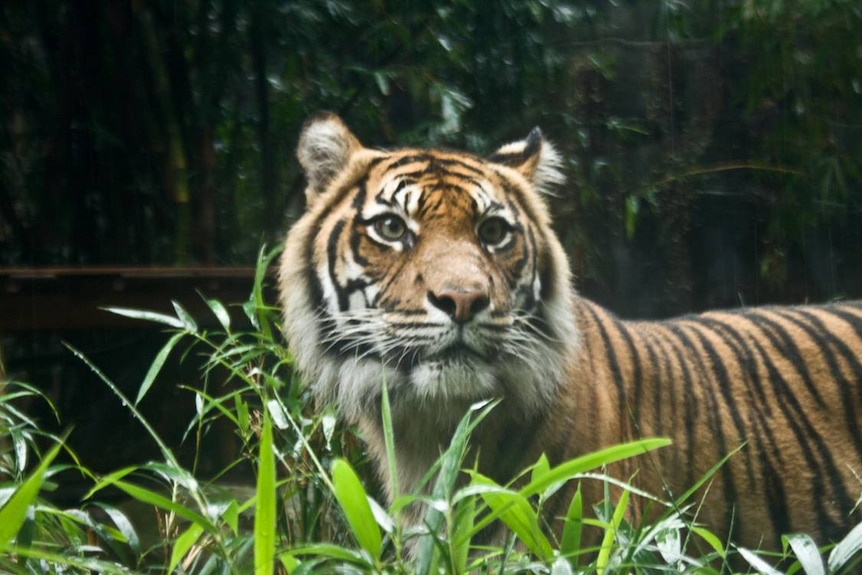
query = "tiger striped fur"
{"x": 438, "y": 273}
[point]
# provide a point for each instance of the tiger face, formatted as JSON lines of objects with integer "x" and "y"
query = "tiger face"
{"x": 428, "y": 270}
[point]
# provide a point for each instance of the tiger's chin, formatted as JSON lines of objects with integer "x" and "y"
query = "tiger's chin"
{"x": 442, "y": 383}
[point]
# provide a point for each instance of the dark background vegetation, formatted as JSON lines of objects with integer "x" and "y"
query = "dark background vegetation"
{"x": 712, "y": 148}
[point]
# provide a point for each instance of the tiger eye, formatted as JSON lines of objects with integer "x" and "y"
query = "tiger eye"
{"x": 493, "y": 230}
{"x": 390, "y": 227}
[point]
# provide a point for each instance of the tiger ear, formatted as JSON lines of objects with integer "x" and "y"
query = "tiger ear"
{"x": 325, "y": 148}
{"x": 535, "y": 158}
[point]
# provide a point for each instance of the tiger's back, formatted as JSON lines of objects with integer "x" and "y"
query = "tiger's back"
{"x": 782, "y": 384}
{"x": 438, "y": 272}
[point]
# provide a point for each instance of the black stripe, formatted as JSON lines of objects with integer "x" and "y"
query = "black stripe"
{"x": 612, "y": 361}
{"x": 815, "y": 450}
{"x": 826, "y": 341}
{"x": 786, "y": 346}
{"x": 332, "y": 262}
{"x": 708, "y": 378}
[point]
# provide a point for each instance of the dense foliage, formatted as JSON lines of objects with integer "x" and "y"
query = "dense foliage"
{"x": 713, "y": 146}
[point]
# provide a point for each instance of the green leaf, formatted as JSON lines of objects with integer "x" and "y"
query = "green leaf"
{"x": 465, "y": 516}
{"x": 14, "y": 512}
{"x": 146, "y": 316}
{"x": 353, "y": 500}
{"x": 123, "y": 524}
{"x": 573, "y": 467}
{"x": 289, "y": 562}
{"x": 845, "y": 549}
{"x": 541, "y": 467}
{"x": 145, "y": 495}
{"x": 219, "y": 311}
{"x": 333, "y": 552}
{"x": 806, "y": 552}
{"x": 711, "y": 539}
{"x": 570, "y": 543}
{"x": 516, "y": 512}
{"x": 157, "y": 364}
{"x": 187, "y": 320}
{"x": 264, "y": 516}
{"x": 389, "y": 442}
{"x": 183, "y": 543}
{"x": 610, "y": 533}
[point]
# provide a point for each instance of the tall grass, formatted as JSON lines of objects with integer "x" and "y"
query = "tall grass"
{"x": 310, "y": 510}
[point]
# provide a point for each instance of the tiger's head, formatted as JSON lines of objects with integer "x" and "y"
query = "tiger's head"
{"x": 433, "y": 271}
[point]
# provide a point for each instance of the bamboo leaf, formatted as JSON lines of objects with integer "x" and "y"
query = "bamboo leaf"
{"x": 569, "y": 469}
{"x": 570, "y": 543}
{"x": 516, "y": 512}
{"x": 353, "y": 500}
{"x": 711, "y": 539}
{"x": 465, "y": 516}
{"x": 264, "y": 517}
{"x": 145, "y": 495}
{"x": 123, "y": 525}
{"x": 145, "y": 315}
{"x": 334, "y": 552}
{"x": 219, "y": 311}
{"x": 183, "y": 543}
{"x": 610, "y": 533}
{"x": 14, "y": 512}
{"x": 156, "y": 366}
{"x": 185, "y": 317}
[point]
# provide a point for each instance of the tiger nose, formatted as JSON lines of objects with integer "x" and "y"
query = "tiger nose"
{"x": 459, "y": 304}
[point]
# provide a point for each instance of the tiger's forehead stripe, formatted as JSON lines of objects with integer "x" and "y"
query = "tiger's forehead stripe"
{"x": 491, "y": 189}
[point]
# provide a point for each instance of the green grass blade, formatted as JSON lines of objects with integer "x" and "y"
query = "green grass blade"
{"x": 706, "y": 477}
{"x": 156, "y": 366}
{"x": 389, "y": 439}
{"x": 450, "y": 466}
{"x": 264, "y": 517}
{"x": 167, "y": 454}
{"x": 14, "y": 512}
{"x": 264, "y": 260}
{"x": 353, "y": 500}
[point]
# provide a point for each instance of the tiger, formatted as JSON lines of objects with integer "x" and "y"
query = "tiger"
{"x": 437, "y": 273}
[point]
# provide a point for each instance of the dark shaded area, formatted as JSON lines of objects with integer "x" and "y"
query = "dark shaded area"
{"x": 712, "y": 148}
